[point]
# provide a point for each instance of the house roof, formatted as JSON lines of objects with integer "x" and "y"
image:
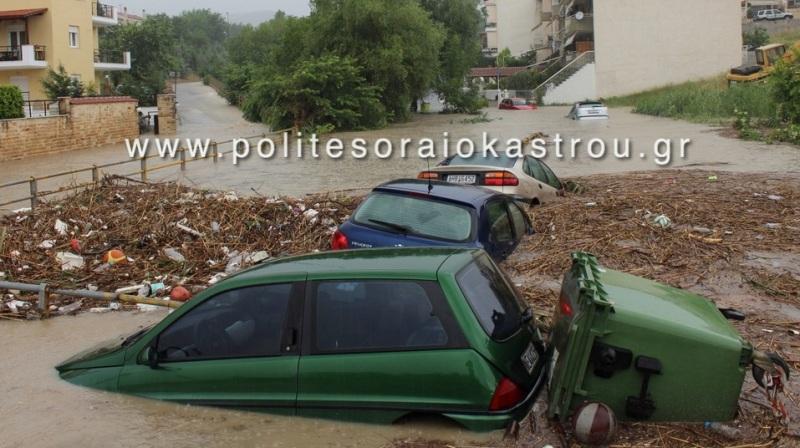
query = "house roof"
{"x": 489, "y": 72}
{"x": 17, "y": 14}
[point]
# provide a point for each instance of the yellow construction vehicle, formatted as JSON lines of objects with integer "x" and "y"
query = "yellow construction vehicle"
{"x": 767, "y": 57}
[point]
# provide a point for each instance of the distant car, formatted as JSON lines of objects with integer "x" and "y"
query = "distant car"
{"x": 517, "y": 104}
{"x": 371, "y": 336}
{"x": 772, "y": 14}
{"x": 589, "y": 110}
{"x": 528, "y": 179}
{"x": 418, "y": 213}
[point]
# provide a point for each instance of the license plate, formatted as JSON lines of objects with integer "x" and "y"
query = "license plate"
{"x": 529, "y": 358}
{"x": 464, "y": 179}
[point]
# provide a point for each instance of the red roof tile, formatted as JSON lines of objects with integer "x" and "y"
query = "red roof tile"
{"x": 490, "y": 72}
{"x": 17, "y": 14}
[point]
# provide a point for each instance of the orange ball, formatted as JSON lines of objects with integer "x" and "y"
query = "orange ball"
{"x": 115, "y": 256}
{"x": 180, "y": 294}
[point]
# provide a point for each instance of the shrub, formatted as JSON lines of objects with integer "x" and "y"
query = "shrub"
{"x": 59, "y": 84}
{"x": 325, "y": 94}
{"x": 786, "y": 91}
{"x": 11, "y": 102}
{"x": 757, "y": 38}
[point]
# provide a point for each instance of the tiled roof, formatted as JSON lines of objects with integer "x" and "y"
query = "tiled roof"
{"x": 488, "y": 72}
{"x": 17, "y": 14}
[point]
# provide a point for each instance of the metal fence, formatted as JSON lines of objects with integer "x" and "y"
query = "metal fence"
{"x": 102, "y": 10}
{"x": 40, "y": 108}
{"x": 98, "y": 171}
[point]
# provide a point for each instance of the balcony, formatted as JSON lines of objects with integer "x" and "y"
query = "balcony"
{"x": 583, "y": 26}
{"x": 104, "y": 15}
{"x": 112, "y": 61}
{"x": 25, "y": 57}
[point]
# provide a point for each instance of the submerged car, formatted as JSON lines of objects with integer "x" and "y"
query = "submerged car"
{"x": 517, "y": 104}
{"x": 526, "y": 178}
{"x": 370, "y": 335}
{"x": 416, "y": 213}
{"x": 588, "y": 110}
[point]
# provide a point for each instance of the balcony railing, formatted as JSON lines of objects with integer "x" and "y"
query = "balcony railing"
{"x": 109, "y": 57}
{"x": 17, "y": 53}
{"x": 102, "y": 10}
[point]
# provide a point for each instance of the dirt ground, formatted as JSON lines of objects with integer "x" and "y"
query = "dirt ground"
{"x": 734, "y": 237}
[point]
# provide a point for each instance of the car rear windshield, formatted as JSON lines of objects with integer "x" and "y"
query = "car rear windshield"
{"x": 501, "y": 161}
{"x": 520, "y": 102}
{"x": 491, "y": 298}
{"x": 418, "y": 216}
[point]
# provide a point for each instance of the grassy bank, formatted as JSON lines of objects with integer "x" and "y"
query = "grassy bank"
{"x": 706, "y": 101}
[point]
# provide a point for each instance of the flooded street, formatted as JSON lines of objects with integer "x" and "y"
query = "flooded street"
{"x": 203, "y": 114}
{"x": 40, "y": 410}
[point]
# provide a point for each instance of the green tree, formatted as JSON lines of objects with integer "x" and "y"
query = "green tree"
{"x": 756, "y": 38}
{"x": 58, "y": 83}
{"x": 326, "y": 93}
{"x": 394, "y": 41}
{"x": 154, "y": 54}
{"x": 462, "y": 22}
{"x": 201, "y": 36}
{"x": 11, "y": 102}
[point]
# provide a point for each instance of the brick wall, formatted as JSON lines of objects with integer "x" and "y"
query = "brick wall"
{"x": 167, "y": 114}
{"x": 84, "y": 123}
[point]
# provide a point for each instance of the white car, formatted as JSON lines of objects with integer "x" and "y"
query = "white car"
{"x": 527, "y": 179}
{"x": 588, "y": 110}
{"x": 772, "y": 14}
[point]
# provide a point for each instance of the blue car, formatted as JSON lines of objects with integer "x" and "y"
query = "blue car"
{"x": 419, "y": 213}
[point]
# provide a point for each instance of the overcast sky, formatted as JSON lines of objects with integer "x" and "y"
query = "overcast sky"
{"x": 235, "y": 7}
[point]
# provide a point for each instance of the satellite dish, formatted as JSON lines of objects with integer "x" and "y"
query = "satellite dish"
{"x": 579, "y": 16}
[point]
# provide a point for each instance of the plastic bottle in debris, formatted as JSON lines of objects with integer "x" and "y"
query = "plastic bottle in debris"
{"x": 729, "y": 432}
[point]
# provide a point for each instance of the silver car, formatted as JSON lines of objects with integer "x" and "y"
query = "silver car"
{"x": 588, "y": 110}
{"x": 527, "y": 179}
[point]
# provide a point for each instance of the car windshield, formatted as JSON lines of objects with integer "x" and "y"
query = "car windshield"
{"x": 501, "y": 161}
{"x": 418, "y": 216}
{"x": 491, "y": 298}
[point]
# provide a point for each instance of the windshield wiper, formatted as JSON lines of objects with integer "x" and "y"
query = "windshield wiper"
{"x": 398, "y": 227}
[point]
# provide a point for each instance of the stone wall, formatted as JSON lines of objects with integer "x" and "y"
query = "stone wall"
{"x": 83, "y": 123}
{"x": 167, "y": 114}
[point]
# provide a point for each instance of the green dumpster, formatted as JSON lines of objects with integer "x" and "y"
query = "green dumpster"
{"x": 649, "y": 351}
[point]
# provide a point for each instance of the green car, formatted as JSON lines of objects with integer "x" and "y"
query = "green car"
{"x": 370, "y": 335}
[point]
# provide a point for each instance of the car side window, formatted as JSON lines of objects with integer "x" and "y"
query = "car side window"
{"x": 535, "y": 167}
{"x": 552, "y": 179}
{"x": 518, "y": 220}
{"x": 499, "y": 222}
{"x": 380, "y": 316}
{"x": 241, "y": 323}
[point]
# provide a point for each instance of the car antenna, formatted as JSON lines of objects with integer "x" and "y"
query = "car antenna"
{"x": 430, "y": 182}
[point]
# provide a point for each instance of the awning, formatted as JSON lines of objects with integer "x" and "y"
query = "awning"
{"x": 19, "y": 14}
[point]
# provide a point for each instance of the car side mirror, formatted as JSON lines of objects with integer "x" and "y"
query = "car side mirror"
{"x": 152, "y": 357}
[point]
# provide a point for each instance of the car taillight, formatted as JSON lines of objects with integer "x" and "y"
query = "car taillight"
{"x": 500, "y": 179}
{"x": 339, "y": 241}
{"x": 564, "y": 306}
{"x": 506, "y": 395}
{"x": 427, "y": 175}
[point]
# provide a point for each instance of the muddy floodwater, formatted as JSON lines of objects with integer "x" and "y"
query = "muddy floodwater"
{"x": 203, "y": 114}
{"x": 37, "y": 409}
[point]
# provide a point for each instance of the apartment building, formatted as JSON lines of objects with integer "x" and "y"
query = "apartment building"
{"x": 613, "y": 47}
{"x": 512, "y": 24}
{"x": 39, "y": 34}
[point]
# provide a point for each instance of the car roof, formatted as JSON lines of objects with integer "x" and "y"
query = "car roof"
{"x": 465, "y": 194}
{"x": 421, "y": 263}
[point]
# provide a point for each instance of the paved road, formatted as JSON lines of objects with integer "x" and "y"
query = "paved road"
{"x": 205, "y": 115}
